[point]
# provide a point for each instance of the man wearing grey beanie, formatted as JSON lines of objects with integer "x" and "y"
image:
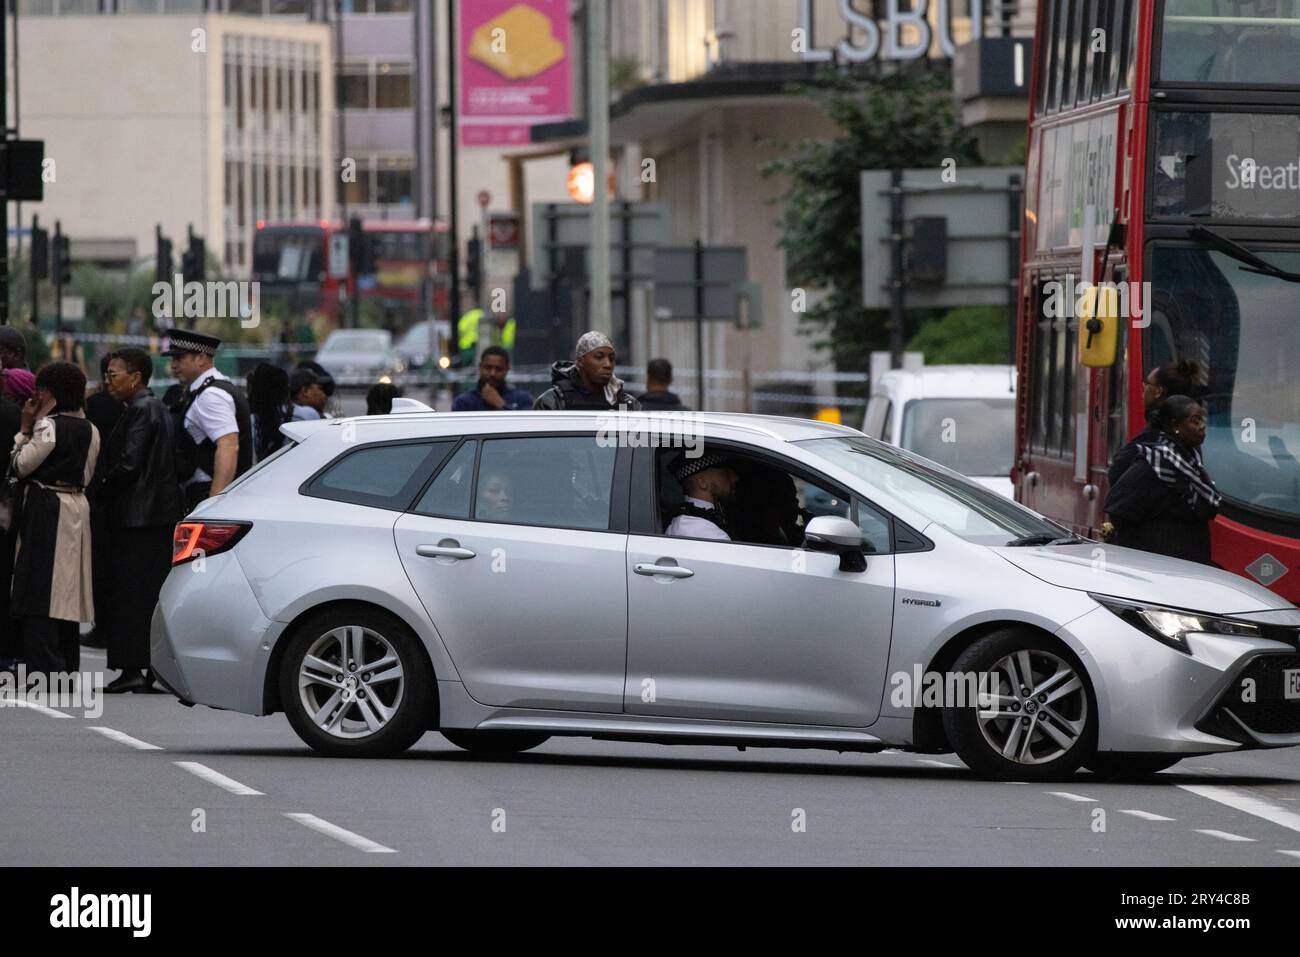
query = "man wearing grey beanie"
{"x": 589, "y": 381}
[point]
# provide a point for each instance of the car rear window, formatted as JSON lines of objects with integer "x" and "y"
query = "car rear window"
{"x": 381, "y": 476}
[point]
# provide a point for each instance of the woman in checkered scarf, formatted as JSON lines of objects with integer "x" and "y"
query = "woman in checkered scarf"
{"x": 1164, "y": 502}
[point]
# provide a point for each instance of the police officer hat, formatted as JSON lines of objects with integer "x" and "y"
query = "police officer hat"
{"x": 683, "y": 466}
{"x": 182, "y": 341}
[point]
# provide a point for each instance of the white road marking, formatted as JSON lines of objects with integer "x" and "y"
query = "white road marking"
{"x": 1073, "y": 797}
{"x": 1248, "y": 803}
{"x": 1224, "y": 835}
{"x": 23, "y": 703}
{"x": 215, "y": 777}
{"x": 338, "y": 833}
{"x": 1290, "y": 853}
{"x": 1147, "y": 815}
{"x": 937, "y": 764}
{"x": 114, "y": 735}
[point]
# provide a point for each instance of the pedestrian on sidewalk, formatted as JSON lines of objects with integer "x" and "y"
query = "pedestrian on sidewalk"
{"x": 268, "y": 404}
{"x": 1182, "y": 377}
{"x": 492, "y": 393}
{"x": 103, "y": 411}
{"x": 1166, "y": 500}
{"x": 379, "y": 399}
{"x": 142, "y": 501}
{"x": 659, "y": 396}
{"x": 53, "y": 459}
{"x": 588, "y": 382}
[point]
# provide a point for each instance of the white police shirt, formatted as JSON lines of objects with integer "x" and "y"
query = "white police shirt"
{"x": 210, "y": 416}
{"x": 692, "y": 526}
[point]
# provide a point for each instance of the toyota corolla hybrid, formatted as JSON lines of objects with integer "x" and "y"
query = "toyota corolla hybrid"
{"x": 506, "y": 577}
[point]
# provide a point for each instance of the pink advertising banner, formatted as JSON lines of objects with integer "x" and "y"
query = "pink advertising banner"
{"x": 514, "y": 68}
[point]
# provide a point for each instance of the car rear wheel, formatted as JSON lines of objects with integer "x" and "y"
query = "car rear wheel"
{"x": 1036, "y": 718}
{"x": 1129, "y": 767}
{"x": 354, "y": 683}
{"x": 495, "y": 742}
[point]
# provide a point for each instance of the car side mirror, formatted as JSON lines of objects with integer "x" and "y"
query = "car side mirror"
{"x": 831, "y": 533}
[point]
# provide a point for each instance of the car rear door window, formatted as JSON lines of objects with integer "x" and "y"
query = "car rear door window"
{"x": 564, "y": 481}
{"x": 382, "y": 476}
{"x": 449, "y": 495}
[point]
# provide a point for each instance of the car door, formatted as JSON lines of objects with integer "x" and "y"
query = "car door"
{"x": 516, "y": 550}
{"x": 728, "y": 630}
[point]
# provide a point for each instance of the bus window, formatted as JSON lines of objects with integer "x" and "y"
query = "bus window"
{"x": 1246, "y": 42}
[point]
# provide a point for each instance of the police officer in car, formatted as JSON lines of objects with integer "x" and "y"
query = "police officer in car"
{"x": 708, "y": 480}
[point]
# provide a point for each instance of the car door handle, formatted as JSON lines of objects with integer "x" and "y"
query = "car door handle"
{"x": 672, "y": 571}
{"x": 444, "y": 549}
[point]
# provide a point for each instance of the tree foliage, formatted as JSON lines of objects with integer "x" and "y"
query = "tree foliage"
{"x": 978, "y": 334}
{"x": 906, "y": 120}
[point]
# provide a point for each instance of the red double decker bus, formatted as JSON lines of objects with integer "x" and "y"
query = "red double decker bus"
{"x": 304, "y": 266}
{"x": 1164, "y": 159}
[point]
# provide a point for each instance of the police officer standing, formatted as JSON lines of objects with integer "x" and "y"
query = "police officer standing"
{"x": 214, "y": 444}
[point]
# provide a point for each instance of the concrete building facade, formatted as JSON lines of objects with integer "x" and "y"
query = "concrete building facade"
{"x": 179, "y": 119}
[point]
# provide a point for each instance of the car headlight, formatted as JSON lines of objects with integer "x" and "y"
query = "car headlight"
{"x": 1171, "y": 626}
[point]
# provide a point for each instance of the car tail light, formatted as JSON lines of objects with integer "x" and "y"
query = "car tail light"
{"x": 193, "y": 540}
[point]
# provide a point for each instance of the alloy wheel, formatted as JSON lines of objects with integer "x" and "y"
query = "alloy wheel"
{"x": 1036, "y": 707}
{"x": 351, "y": 682}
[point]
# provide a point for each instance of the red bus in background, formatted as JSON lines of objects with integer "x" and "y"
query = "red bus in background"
{"x": 1165, "y": 159}
{"x": 304, "y": 268}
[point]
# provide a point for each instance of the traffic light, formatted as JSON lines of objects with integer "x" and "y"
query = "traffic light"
{"x": 163, "y": 262}
{"x": 474, "y": 265}
{"x": 359, "y": 250}
{"x": 40, "y": 257}
{"x": 61, "y": 267}
{"x": 192, "y": 260}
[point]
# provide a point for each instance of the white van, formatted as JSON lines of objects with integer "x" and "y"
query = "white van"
{"x": 961, "y": 416}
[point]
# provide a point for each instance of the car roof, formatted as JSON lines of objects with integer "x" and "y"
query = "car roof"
{"x": 774, "y": 427}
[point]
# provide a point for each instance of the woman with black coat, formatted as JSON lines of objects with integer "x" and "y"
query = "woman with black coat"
{"x": 1164, "y": 502}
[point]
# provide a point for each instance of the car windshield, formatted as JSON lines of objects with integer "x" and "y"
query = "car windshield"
{"x": 1243, "y": 326}
{"x": 973, "y": 436}
{"x": 963, "y": 507}
{"x": 357, "y": 341}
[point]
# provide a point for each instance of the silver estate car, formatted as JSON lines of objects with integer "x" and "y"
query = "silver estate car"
{"x": 505, "y": 577}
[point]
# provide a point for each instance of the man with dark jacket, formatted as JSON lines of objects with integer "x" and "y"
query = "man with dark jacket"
{"x": 103, "y": 411}
{"x": 659, "y": 396}
{"x": 589, "y": 381}
{"x": 140, "y": 496}
{"x": 492, "y": 393}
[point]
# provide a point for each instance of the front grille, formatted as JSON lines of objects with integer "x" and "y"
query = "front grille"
{"x": 1269, "y": 713}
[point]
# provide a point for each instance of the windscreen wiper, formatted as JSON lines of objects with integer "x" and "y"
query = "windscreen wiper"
{"x": 1212, "y": 240}
{"x": 1046, "y": 540}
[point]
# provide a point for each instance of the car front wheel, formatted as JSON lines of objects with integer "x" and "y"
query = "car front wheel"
{"x": 354, "y": 683}
{"x": 1035, "y": 718}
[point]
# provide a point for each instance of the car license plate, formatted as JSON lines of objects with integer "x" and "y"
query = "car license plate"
{"x": 1291, "y": 683}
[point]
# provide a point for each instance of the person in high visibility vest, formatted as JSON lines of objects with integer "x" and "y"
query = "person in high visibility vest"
{"x": 467, "y": 337}
{"x": 508, "y": 336}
